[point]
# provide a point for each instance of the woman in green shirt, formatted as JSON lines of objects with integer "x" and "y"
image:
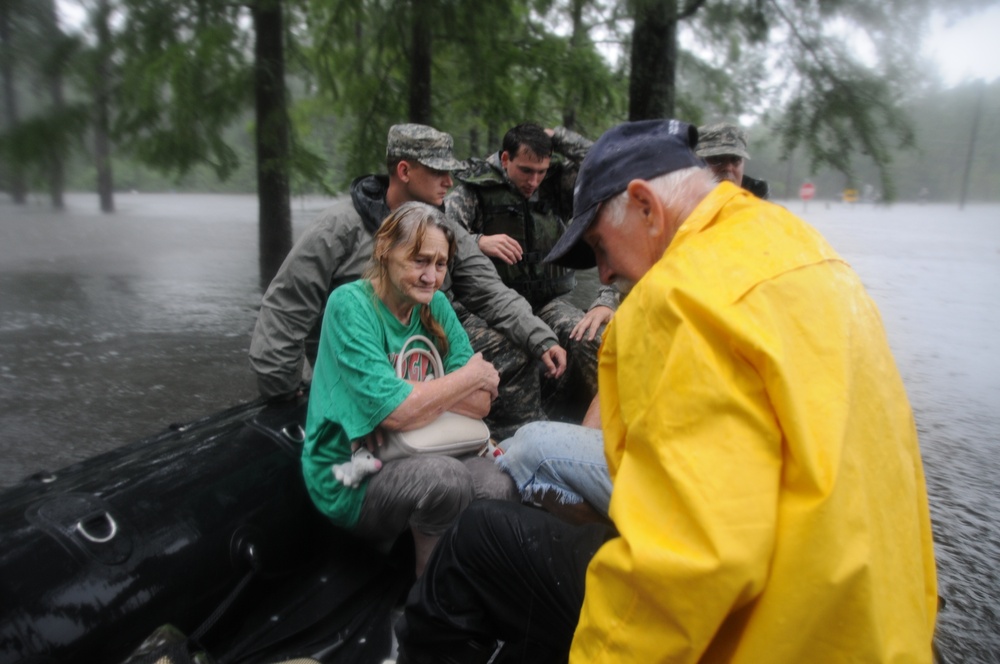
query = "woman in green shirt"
{"x": 356, "y": 395}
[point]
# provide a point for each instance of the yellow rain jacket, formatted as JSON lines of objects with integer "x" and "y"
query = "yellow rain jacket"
{"x": 768, "y": 487}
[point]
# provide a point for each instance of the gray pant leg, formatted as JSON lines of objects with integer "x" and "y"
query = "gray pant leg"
{"x": 426, "y": 493}
{"x": 489, "y": 481}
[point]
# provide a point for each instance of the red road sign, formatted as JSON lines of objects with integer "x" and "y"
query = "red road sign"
{"x": 807, "y": 191}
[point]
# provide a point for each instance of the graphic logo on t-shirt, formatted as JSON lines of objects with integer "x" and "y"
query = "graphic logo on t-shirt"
{"x": 418, "y": 367}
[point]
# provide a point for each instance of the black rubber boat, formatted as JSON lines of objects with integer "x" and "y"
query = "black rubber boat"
{"x": 206, "y": 527}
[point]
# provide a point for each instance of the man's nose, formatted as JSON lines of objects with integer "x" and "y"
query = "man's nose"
{"x": 447, "y": 181}
{"x": 605, "y": 274}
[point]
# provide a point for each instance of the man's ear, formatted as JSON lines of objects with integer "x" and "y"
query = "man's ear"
{"x": 504, "y": 158}
{"x": 403, "y": 170}
{"x": 648, "y": 203}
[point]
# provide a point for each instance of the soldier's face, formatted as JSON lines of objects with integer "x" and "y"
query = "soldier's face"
{"x": 426, "y": 185}
{"x": 727, "y": 167}
{"x": 526, "y": 170}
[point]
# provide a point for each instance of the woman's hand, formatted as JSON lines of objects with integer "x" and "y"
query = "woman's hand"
{"x": 468, "y": 390}
{"x": 486, "y": 374}
{"x": 372, "y": 441}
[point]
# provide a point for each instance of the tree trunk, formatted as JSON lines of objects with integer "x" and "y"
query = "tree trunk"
{"x": 57, "y": 167}
{"x": 972, "y": 146}
{"x": 492, "y": 135}
{"x": 102, "y": 112}
{"x": 18, "y": 186}
{"x": 420, "y": 63}
{"x": 474, "y": 141}
{"x": 654, "y": 59}
{"x": 272, "y": 136}
{"x": 57, "y": 163}
{"x": 577, "y": 36}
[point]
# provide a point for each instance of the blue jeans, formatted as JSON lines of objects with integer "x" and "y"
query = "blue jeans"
{"x": 565, "y": 459}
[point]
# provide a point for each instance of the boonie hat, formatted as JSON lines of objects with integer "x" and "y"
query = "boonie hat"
{"x": 633, "y": 150}
{"x": 421, "y": 143}
{"x": 722, "y": 138}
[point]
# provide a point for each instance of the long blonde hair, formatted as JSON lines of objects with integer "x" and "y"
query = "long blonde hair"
{"x": 409, "y": 224}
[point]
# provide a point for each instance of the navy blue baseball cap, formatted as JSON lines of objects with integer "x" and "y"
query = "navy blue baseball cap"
{"x": 633, "y": 150}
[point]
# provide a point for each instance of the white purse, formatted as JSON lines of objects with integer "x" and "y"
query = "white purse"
{"x": 451, "y": 434}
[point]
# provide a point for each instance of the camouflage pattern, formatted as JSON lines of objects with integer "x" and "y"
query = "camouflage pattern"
{"x": 567, "y": 398}
{"x": 485, "y": 202}
{"x": 607, "y": 296}
{"x": 525, "y": 394}
{"x": 496, "y": 207}
{"x": 519, "y": 401}
{"x": 424, "y": 144}
{"x": 725, "y": 139}
{"x": 335, "y": 250}
{"x": 721, "y": 138}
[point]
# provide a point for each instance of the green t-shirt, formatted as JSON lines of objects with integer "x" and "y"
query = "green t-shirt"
{"x": 355, "y": 386}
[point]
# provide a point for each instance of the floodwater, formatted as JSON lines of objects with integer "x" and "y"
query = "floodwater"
{"x": 114, "y": 326}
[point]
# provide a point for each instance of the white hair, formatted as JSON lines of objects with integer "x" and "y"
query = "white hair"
{"x": 672, "y": 189}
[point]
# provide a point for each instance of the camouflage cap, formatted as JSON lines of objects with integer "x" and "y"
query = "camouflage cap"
{"x": 722, "y": 138}
{"x": 424, "y": 144}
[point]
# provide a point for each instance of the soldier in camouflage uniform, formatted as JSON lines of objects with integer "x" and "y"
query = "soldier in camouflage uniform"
{"x": 338, "y": 246}
{"x": 516, "y": 203}
{"x": 724, "y": 147}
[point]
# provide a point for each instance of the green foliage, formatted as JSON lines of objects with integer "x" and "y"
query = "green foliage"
{"x": 494, "y": 64}
{"x": 841, "y": 68}
{"x": 184, "y": 76}
{"x": 826, "y": 82}
{"x": 943, "y": 134}
{"x": 54, "y": 131}
{"x": 360, "y": 69}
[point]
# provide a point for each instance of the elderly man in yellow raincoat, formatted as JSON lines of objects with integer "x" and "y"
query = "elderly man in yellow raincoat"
{"x": 768, "y": 495}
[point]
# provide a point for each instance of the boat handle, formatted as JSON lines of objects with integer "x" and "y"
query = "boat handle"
{"x": 96, "y": 539}
{"x": 294, "y": 433}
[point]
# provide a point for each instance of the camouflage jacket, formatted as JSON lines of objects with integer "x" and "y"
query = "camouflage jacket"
{"x": 335, "y": 250}
{"x": 486, "y": 203}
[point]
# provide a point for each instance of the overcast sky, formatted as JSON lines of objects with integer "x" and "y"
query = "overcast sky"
{"x": 968, "y": 49}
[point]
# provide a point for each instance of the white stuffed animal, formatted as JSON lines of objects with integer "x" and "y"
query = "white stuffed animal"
{"x": 362, "y": 463}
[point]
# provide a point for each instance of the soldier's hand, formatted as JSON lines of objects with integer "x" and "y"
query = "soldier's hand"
{"x": 501, "y": 246}
{"x": 591, "y": 323}
{"x": 555, "y": 361}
